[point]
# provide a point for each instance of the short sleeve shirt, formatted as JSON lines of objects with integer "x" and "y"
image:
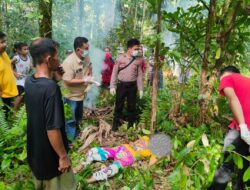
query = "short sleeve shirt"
{"x": 44, "y": 108}
{"x": 241, "y": 86}
{"x": 7, "y": 80}
{"x": 131, "y": 73}
{"x": 75, "y": 68}
{"x": 23, "y": 68}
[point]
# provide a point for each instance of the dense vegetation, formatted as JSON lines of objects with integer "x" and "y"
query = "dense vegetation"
{"x": 192, "y": 113}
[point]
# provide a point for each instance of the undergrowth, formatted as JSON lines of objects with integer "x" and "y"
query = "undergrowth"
{"x": 195, "y": 155}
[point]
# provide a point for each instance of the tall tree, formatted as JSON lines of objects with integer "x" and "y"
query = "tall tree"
{"x": 157, "y": 9}
{"x": 226, "y": 23}
{"x": 209, "y": 41}
{"x": 204, "y": 68}
{"x": 45, "y": 22}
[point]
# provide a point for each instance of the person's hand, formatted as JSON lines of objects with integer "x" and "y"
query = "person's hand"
{"x": 87, "y": 59}
{"x": 64, "y": 164}
{"x": 60, "y": 70}
{"x": 57, "y": 75}
{"x": 17, "y": 75}
{"x": 140, "y": 94}
{"x": 244, "y": 133}
{"x": 88, "y": 79}
{"x": 112, "y": 91}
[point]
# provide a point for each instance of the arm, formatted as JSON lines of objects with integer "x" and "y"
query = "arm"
{"x": 89, "y": 65}
{"x": 57, "y": 75}
{"x": 55, "y": 139}
{"x": 140, "y": 78}
{"x": 54, "y": 122}
{"x": 69, "y": 76}
{"x": 74, "y": 82}
{"x": 31, "y": 63}
{"x": 234, "y": 104}
{"x": 13, "y": 60}
{"x": 17, "y": 76}
{"x": 114, "y": 76}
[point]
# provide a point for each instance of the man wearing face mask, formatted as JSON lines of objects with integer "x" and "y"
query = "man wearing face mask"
{"x": 77, "y": 77}
{"x": 126, "y": 77}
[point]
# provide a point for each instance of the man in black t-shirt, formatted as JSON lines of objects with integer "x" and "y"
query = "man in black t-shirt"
{"x": 46, "y": 138}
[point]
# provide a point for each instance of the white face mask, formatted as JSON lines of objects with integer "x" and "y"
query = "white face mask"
{"x": 134, "y": 53}
{"x": 85, "y": 53}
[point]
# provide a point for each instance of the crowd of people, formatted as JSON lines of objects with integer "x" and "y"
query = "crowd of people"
{"x": 49, "y": 135}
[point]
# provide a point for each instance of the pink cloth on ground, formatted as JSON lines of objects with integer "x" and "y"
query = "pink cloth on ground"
{"x": 121, "y": 155}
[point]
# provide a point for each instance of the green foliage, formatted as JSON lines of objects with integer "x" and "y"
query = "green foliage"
{"x": 67, "y": 112}
{"x": 20, "y": 21}
{"x": 146, "y": 111}
{"x": 13, "y": 153}
{"x": 194, "y": 158}
{"x": 190, "y": 27}
{"x": 196, "y": 161}
{"x": 246, "y": 175}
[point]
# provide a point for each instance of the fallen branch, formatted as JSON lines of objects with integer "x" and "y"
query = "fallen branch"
{"x": 100, "y": 113}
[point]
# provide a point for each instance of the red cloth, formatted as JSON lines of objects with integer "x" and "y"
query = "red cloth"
{"x": 143, "y": 66}
{"x": 241, "y": 86}
{"x": 108, "y": 65}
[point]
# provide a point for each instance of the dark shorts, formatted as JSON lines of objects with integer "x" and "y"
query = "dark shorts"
{"x": 20, "y": 90}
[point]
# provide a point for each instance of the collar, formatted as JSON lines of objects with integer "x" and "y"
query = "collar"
{"x": 77, "y": 58}
{"x": 129, "y": 58}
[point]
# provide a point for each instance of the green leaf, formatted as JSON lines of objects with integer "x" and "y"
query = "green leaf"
{"x": 146, "y": 132}
{"x": 230, "y": 147}
{"x": 137, "y": 187}
{"x": 5, "y": 163}
{"x": 126, "y": 188}
{"x": 238, "y": 161}
{"x": 205, "y": 140}
{"x": 22, "y": 156}
{"x": 246, "y": 175}
{"x": 218, "y": 52}
{"x": 2, "y": 186}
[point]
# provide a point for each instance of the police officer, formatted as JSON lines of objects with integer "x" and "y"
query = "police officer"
{"x": 126, "y": 78}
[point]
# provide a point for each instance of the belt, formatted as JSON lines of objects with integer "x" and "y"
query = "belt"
{"x": 127, "y": 83}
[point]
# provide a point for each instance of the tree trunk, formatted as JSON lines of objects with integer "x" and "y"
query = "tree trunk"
{"x": 204, "y": 90}
{"x": 223, "y": 36}
{"x": 155, "y": 78}
{"x": 207, "y": 83}
{"x": 45, "y": 23}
